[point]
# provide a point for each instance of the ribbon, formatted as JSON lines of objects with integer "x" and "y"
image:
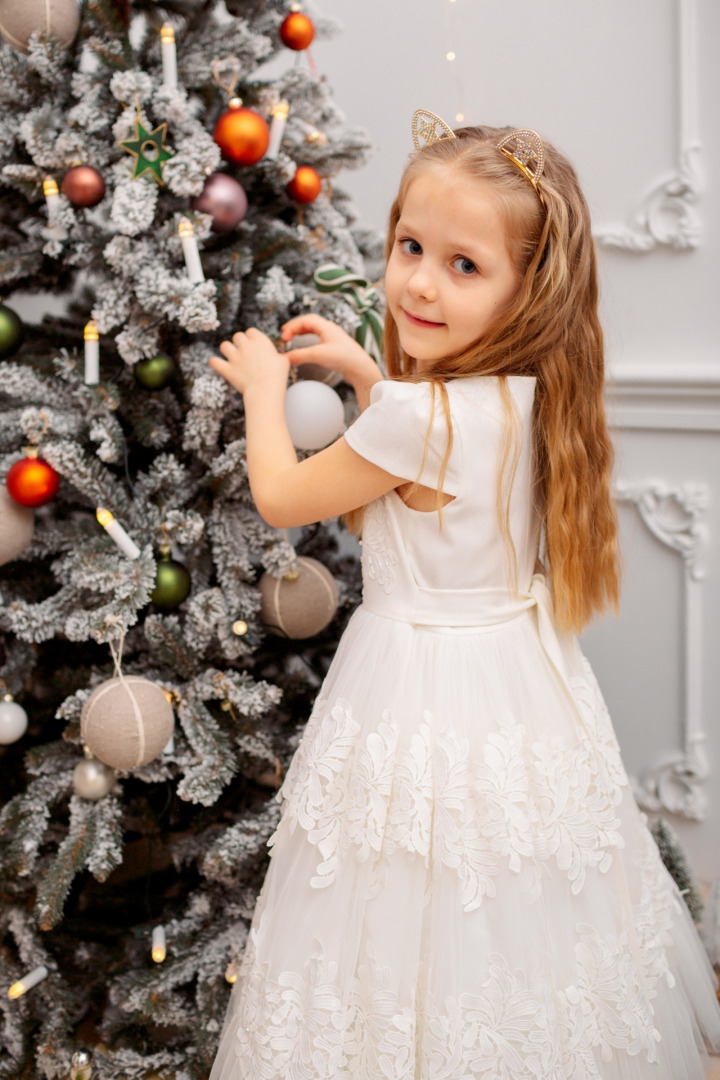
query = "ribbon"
{"x": 331, "y": 278}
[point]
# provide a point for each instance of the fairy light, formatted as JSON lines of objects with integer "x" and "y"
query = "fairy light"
{"x": 159, "y": 944}
{"x": 231, "y": 972}
{"x": 52, "y": 195}
{"x": 450, "y": 55}
{"x": 27, "y": 982}
{"x": 92, "y": 354}
{"x": 190, "y": 251}
{"x": 459, "y": 118}
{"x": 169, "y": 56}
{"x": 115, "y": 530}
{"x": 240, "y": 627}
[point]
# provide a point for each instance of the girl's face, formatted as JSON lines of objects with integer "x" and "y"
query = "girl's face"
{"x": 450, "y": 273}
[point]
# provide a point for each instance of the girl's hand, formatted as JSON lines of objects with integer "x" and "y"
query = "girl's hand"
{"x": 251, "y": 360}
{"x": 336, "y": 349}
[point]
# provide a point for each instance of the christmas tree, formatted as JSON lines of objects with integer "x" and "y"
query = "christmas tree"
{"x": 161, "y": 645}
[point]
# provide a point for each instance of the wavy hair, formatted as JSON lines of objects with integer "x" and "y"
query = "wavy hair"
{"x": 550, "y": 330}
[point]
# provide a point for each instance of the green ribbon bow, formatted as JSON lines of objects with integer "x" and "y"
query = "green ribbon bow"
{"x": 332, "y": 278}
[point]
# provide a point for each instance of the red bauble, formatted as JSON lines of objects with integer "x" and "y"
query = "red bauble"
{"x": 83, "y": 185}
{"x": 297, "y": 31}
{"x": 225, "y": 199}
{"x": 305, "y": 185}
{"x": 242, "y": 135}
{"x": 32, "y": 482}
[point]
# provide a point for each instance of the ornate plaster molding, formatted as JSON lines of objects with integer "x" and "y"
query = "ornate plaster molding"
{"x": 673, "y": 516}
{"x": 666, "y": 217}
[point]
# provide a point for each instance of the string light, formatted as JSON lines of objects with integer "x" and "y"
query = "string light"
{"x": 27, "y": 982}
{"x": 231, "y": 972}
{"x": 459, "y": 118}
{"x": 190, "y": 251}
{"x": 115, "y": 530}
{"x": 450, "y": 55}
{"x": 159, "y": 949}
{"x": 92, "y": 354}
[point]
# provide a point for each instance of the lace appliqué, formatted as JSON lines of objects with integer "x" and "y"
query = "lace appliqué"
{"x": 513, "y": 807}
{"x": 300, "y": 1026}
{"x": 379, "y": 558}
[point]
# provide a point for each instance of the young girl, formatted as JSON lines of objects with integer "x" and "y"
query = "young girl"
{"x": 461, "y": 884}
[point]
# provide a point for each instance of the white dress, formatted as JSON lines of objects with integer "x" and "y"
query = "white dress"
{"x": 461, "y": 884}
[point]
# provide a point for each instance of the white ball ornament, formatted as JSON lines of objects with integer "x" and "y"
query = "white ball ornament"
{"x": 13, "y": 721}
{"x": 314, "y": 414}
{"x": 17, "y": 525}
{"x": 92, "y": 779}
{"x": 57, "y": 19}
{"x": 126, "y": 722}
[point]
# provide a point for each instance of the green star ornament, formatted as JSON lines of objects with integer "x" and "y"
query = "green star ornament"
{"x": 149, "y": 150}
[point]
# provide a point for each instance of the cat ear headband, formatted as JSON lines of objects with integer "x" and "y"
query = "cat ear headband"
{"x": 524, "y": 147}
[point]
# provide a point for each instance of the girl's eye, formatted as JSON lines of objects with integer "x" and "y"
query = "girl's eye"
{"x": 411, "y": 247}
{"x": 464, "y": 266}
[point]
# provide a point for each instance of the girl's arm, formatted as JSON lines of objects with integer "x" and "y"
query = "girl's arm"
{"x": 336, "y": 351}
{"x": 288, "y": 492}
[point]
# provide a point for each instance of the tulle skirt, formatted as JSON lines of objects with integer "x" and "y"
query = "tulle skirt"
{"x": 462, "y": 885}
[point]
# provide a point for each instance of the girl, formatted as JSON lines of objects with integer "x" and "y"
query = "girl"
{"x": 461, "y": 884}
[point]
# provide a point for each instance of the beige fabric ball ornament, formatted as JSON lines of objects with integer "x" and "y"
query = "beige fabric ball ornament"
{"x": 58, "y": 19}
{"x": 298, "y": 607}
{"x": 17, "y": 525}
{"x": 127, "y": 721}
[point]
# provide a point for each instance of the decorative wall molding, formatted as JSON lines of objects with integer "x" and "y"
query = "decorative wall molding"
{"x": 673, "y": 516}
{"x": 666, "y": 216}
{"x": 681, "y": 397}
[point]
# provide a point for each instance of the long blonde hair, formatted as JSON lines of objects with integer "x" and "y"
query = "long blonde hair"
{"x": 550, "y": 330}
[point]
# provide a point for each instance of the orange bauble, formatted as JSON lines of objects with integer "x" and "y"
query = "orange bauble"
{"x": 305, "y": 185}
{"x": 297, "y": 31}
{"x": 32, "y": 482}
{"x": 242, "y": 135}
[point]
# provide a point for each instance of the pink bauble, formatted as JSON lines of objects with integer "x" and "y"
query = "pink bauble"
{"x": 225, "y": 199}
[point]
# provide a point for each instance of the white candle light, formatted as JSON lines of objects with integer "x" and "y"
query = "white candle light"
{"x": 159, "y": 950}
{"x": 28, "y": 981}
{"x": 118, "y": 534}
{"x": 92, "y": 354}
{"x": 190, "y": 251}
{"x": 169, "y": 56}
{"x": 52, "y": 197}
{"x": 277, "y": 128}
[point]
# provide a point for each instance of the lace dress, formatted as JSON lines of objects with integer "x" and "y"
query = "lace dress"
{"x": 461, "y": 884}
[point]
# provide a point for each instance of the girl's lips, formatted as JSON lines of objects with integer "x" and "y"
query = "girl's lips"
{"x": 420, "y": 322}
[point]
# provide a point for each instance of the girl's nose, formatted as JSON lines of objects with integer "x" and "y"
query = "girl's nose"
{"x": 422, "y": 283}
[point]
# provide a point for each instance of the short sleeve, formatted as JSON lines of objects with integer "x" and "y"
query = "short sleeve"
{"x": 392, "y": 430}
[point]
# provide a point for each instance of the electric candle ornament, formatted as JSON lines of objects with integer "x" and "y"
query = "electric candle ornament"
{"x": 27, "y": 982}
{"x": 190, "y": 251}
{"x": 159, "y": 944}
{"x": 115, "y": 530}
{"x": 169, "y": 56}
{"x": 92, "y": 354}
{"x": 279, "y": 115}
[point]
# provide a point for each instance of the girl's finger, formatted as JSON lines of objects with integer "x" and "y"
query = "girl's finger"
{"x": 304, "y": 324}
{"x": 227, "y": 348}
{"x": 309, "y": 354}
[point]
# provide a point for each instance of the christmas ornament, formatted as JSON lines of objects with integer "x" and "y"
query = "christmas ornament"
{"x": 83, "y": 185}
{"x": 17, "y": 525}
{"x": 154, "y": 372}
{"x": 298, "y": 606}
{"x": 81, "y": 1065}
{"x": 242, "y": 135}
{"x": 172, "y": 582}
{"x": 13, "y": 720}
{"x": 314, "y": 414}
{"x": 364, "y": 297}
{"x": 58, "y": 19}
{"x": 92, "y": 779}
{"x": 12, "y": 332}
{"x": 296, "y": 31}
{"x": 126, "y": 721}
{"x": 28, "y": 981}
{"x": 225, "y": 199}
{"x": 31, "y": 481}
{"x": 149, "y": 150}
{"x": 305, "y": 185}
{"x": 92, "y": 354}
{"x": 186, "y": 231}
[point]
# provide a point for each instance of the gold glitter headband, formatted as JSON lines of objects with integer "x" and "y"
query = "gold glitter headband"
{"x": 523, "y": 147}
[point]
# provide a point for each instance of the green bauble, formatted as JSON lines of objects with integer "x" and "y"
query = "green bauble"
{"x": 172, "y": 582}
{"x": 154, "y": 373}
{"x": 12, "y": 332}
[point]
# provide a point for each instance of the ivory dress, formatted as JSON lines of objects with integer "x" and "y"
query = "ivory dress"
{"x": 461, "y": 884}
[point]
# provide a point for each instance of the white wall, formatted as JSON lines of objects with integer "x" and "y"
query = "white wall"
{"x": 624, "y": 89}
